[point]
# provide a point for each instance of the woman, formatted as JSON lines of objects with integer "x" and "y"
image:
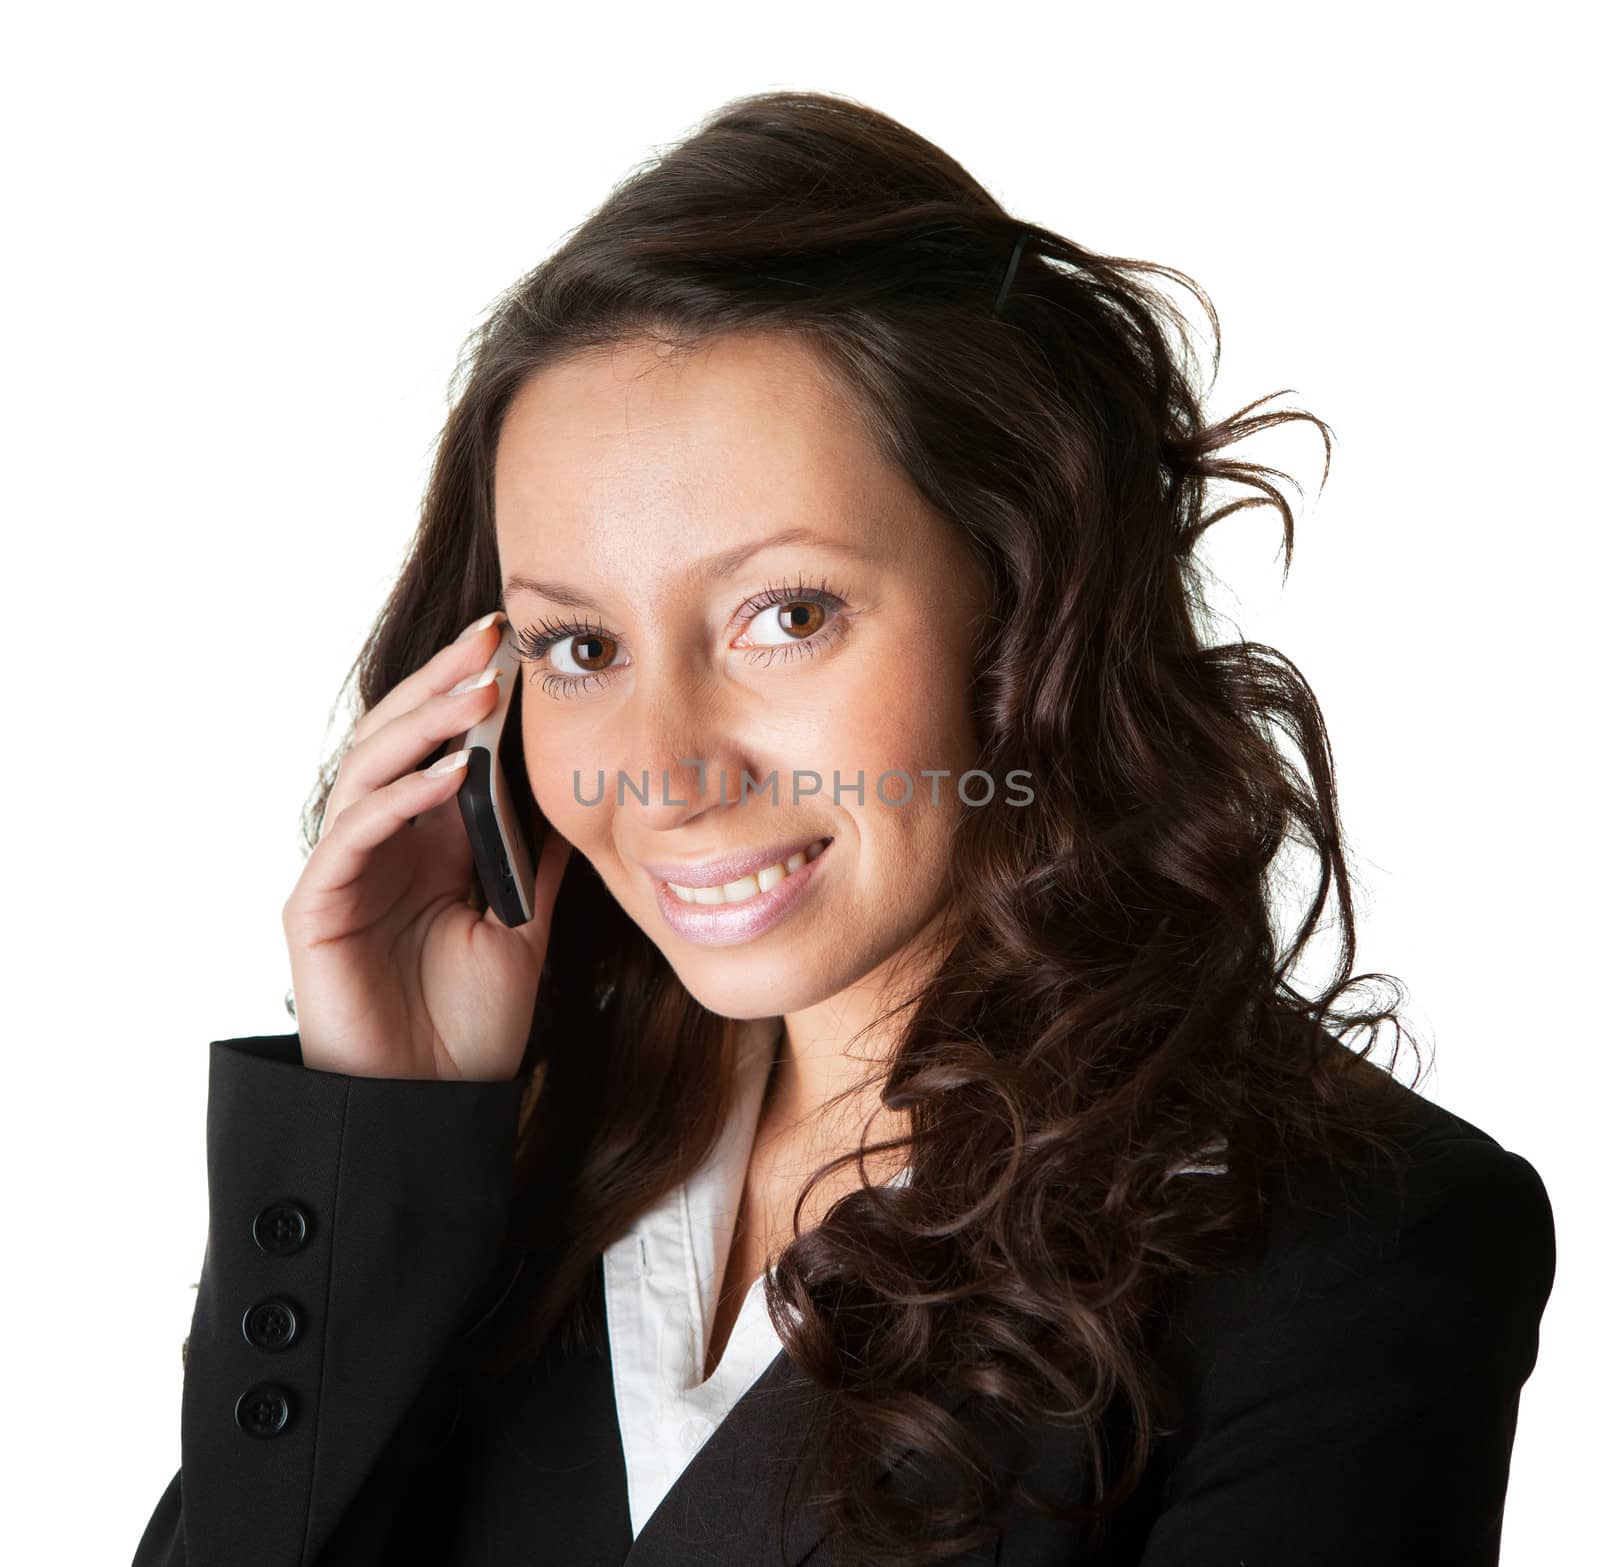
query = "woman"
{"x": 965, "y": 1180}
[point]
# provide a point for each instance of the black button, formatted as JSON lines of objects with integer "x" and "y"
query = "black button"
{"x": 263, "y": 1411}
{"x": 281, "y": 1227}
{"x": 271, "y": 1324}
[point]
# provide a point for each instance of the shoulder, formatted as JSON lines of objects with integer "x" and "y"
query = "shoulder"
{"x": 1446, "y": 1249}
{"x": 1345, "y": 1387}
{"x": 1455, "y": 1202}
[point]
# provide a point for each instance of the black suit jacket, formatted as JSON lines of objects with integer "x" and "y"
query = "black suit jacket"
{"x": 1349, "y": 1395}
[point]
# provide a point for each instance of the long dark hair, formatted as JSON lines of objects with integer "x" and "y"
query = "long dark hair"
{"x": 1116, "y": 1003}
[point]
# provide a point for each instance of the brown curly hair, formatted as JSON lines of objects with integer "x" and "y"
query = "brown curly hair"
{"x": 1116, "y": 1003}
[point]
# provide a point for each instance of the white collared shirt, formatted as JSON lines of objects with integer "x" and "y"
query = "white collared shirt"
{"x": 662, "y": 1283}
{"x": 663, "y": 1279}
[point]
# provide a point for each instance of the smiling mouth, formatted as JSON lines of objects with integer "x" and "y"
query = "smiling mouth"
{"x": 753, "y": 885}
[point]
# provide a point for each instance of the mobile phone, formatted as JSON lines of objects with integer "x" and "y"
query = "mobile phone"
{"x": 504, "y": 825}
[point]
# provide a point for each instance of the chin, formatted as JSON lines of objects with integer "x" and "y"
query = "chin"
{"x": 738, "y": 997}
{"x": 736, "y": 982}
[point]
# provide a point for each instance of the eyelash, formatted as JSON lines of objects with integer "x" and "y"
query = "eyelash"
{"x": 533, "y": 642}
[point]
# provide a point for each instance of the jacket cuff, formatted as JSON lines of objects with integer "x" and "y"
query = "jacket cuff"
{"x": 352, "y": 1223}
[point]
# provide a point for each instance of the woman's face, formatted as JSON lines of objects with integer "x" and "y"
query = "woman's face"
{"x": 721, "y": 570}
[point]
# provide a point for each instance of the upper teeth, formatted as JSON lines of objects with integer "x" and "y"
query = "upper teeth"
{"x": 748, "y": 886}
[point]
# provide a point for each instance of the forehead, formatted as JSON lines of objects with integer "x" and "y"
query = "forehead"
{"x": 737, "y": 434}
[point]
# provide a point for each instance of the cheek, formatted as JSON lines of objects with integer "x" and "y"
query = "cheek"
{"x": 923, "y": 726}
{"x": 551, "y": 762}
{"x": 915, "y": 719}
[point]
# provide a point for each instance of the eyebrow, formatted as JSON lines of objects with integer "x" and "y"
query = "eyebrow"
{"x": 718, "y": 566}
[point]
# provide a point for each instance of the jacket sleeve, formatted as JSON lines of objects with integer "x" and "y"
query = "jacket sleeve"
{"x": 1356, "y": 1400}
{"x": 353, "y": 1222}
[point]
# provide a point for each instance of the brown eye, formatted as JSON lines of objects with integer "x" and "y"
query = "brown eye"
{"x": 803, "y": 618}
{"x": 788, "y": 620}
{"x": 591, "y": 653}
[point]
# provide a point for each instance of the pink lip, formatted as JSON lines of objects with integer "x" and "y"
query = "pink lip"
{"x": 731, "y": 867}
{"x": 724, "y": 924}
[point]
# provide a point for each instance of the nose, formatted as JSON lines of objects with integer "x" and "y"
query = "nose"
{"x": 683, "y": 755}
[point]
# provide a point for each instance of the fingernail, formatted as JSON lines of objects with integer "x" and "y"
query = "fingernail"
{"x": 478, "y": 625}
{"x": 472, "y": 682}
{"x": 447, "y": 764}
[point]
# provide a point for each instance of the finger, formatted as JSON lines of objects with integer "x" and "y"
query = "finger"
{"x": 400, "y": 745}
{"x": 345, "y": 851}
{"x": 469, "y": 652}
{"x": 453, "y": 662}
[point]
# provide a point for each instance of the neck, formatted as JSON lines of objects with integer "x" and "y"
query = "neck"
{"x": 839, "y": 1047}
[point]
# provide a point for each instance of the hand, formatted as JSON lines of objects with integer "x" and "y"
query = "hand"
{"x": 396, "y": 972}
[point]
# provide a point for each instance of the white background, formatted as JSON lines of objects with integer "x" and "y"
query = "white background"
{"x": 244, "y": 247}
